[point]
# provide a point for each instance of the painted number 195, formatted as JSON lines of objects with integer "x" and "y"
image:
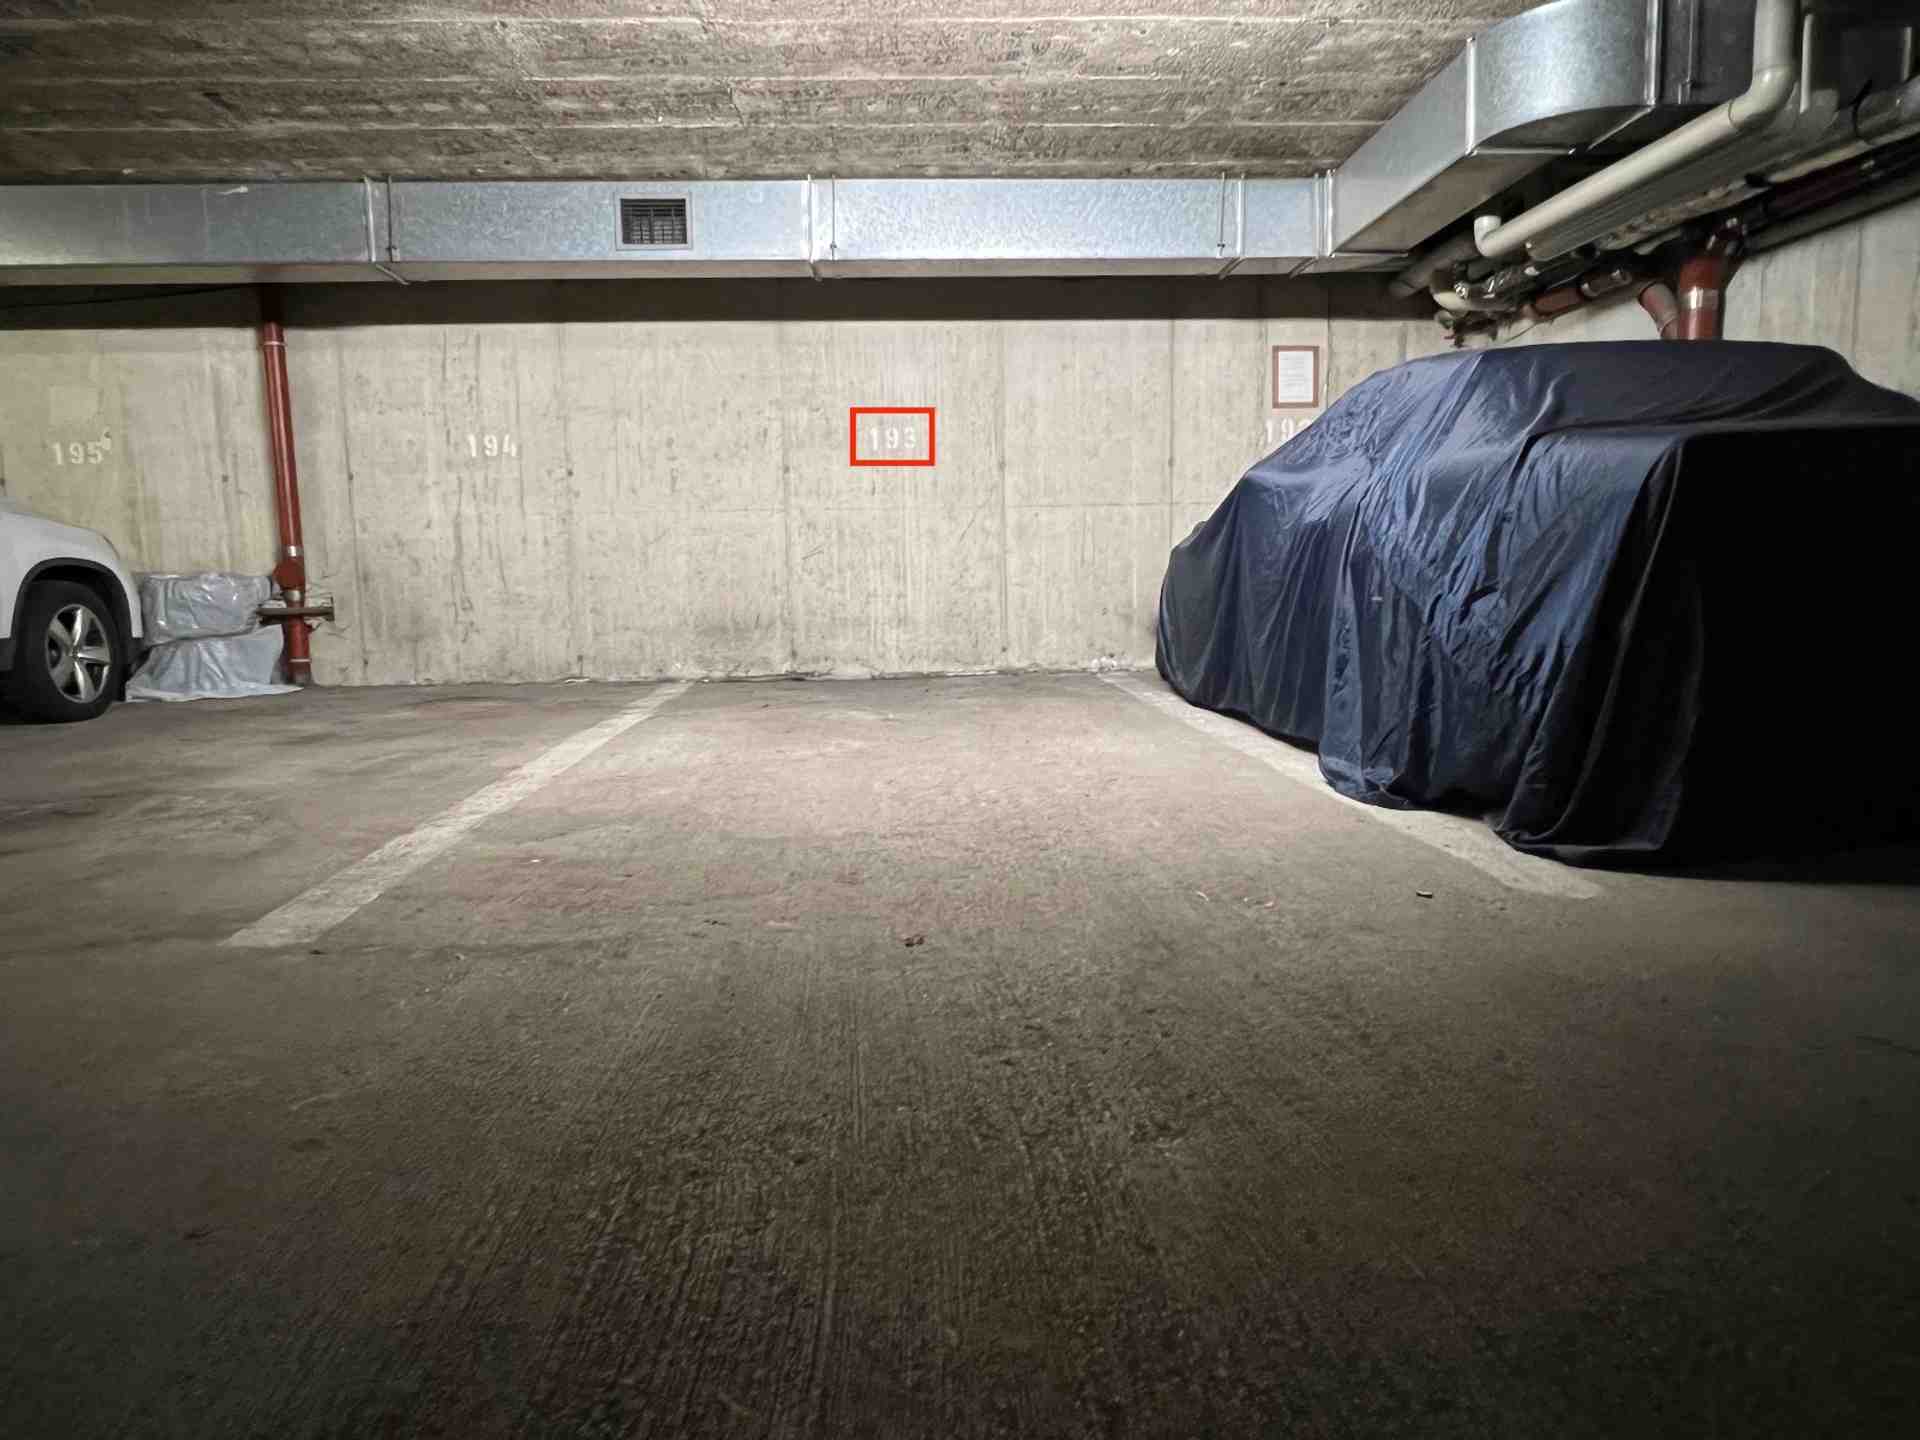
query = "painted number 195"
{"x": 82, "y": 452}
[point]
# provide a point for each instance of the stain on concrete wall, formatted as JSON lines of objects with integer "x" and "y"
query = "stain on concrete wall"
{"x": 529, "y": 482}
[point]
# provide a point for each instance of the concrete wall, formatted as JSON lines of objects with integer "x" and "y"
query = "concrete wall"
{"x": 1854, "y": 288}
{"x": 178, "y": 472}
{"x": 678, "y": 498}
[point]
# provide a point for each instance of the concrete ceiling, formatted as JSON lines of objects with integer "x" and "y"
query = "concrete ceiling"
{"x": 707, "y": 89}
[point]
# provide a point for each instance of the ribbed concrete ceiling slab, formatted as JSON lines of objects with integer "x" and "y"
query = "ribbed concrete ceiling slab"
{"x": 707, "y": 89}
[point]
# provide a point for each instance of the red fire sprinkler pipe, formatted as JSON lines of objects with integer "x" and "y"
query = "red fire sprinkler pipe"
{"x": 1703, "y": 284}
{"x": 290, "y": 574}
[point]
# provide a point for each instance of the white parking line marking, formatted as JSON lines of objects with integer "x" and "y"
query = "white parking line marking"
{"x": 307, "y": 916}
{"x": 1456, "y": 835}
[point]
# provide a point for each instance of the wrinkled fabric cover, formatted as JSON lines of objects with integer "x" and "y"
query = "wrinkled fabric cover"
{"x": 202, "y": 605}
{"x": 222, "y": 667}
{"x": 1569, "y": 586}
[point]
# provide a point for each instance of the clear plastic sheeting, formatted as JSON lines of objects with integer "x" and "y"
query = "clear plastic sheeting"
{"x": 1634, "y": 601}
{"x": 198, "y": 607}
{"x": 225, "y": 667}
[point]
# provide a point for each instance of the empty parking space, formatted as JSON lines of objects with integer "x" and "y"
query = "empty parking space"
{"x": 984, "y": 1055}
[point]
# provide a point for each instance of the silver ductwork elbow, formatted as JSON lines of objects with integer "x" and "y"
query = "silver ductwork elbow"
{"x": 1776, "y": 76}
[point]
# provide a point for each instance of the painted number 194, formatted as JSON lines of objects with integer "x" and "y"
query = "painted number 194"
{"x": 492, "y": 446}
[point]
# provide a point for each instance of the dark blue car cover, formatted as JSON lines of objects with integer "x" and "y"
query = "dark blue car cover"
{"x": 1632, "y": 601}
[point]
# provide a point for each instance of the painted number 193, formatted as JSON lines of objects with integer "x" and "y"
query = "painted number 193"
{"x": 893, "y": 439}
{"x": 891, "y": 435}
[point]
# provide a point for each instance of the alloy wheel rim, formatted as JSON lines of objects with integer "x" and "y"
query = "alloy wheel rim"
{"x": 79, "y": 658}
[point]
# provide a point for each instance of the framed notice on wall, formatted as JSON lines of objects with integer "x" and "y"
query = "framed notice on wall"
{"x": 1296, "y": 376}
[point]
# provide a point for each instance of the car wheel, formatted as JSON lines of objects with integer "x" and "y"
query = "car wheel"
{"x": 66, "y": 665}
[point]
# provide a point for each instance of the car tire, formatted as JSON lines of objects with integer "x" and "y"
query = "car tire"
{"x": 67, "y": 656}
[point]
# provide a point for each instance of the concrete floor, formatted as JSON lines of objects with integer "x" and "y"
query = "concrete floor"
{"x": 645, "y": 1108}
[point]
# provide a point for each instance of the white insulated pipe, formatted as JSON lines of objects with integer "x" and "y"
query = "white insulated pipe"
{"x": 1424, "y": 273}
{"x": 1881, "y": 118}
{"x": 1776, "y": 73}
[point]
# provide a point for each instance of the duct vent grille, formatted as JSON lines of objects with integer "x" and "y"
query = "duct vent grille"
{"x": 653, "y": 222}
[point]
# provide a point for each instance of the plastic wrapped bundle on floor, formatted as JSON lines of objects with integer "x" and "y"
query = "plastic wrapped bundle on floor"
{"x": 221, "y": 667}
{"x": 1633, "y": 601}
{"x": 208, "y": 640}
{"x": 199, "y": 606}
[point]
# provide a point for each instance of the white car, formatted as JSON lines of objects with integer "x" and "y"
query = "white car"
{"x": 69, "y": 617}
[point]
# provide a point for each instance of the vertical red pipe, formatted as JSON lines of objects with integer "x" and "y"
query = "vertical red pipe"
{"x": 1703, "y": 291}
{"x": 291, "y": 571}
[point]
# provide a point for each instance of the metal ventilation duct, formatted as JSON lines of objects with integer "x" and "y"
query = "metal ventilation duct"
{"x": 459, "y": 230}
{"x": 1530, "y": 89}
{"x": 1573, "y": 77}
{"x": 1063, "y": 227}
{"x": 186, "y": 234}
{"x": 536, "y": 229}
{"x": 1566, "y": 77}
{"x": 1831, "y": 61}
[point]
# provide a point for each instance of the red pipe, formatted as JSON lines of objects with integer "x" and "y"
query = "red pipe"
{"x": 290, "y": 574}
{"x": 1703, "y": 290}
{"x": 1594, "y": 285}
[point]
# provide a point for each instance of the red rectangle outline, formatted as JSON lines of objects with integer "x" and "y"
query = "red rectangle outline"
{"x": 854, "y": 412}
